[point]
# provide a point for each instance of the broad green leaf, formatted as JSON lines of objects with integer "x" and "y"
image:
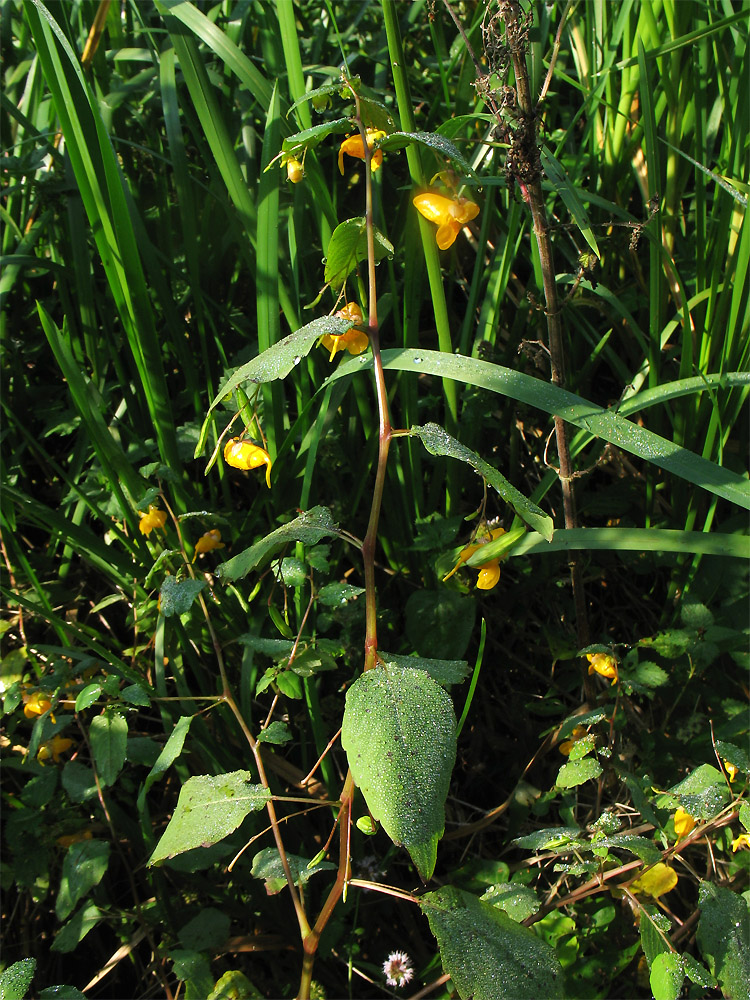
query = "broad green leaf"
{"x": 586, "y": 719}
{"x": 348, "y": 246}
{"x": 696, "y": 616}
{"x": 277, "y": 733}
{"x": 724, "y": 938}
{"x": 599, "y": 422}
{"x": 439, "y": 623}
{"x": 697, "y": 973}
{"x": 644, "y": 675}
{"x": 194, "y": 970}
{"x": 71, "y": 934}
{"x": 170, "y": 752}
{"x": 445, "y": 672}
{"x": 431, "y": 140}
{"x": 399, "y": 733}
{"x": 177, "y": 596}
{"x": 438, "y": 442}
{"x": 703, "y": 793}
{"x": 309, "y": 528}
{"x": 109, "y": 737}
{"x": 654, "y": 928}
{"x": 311, "y": 137}
{"x": 234, "y": 985}
{"x": 519, "y": 901}
{"x": 545, "y": 840}
{"x": 209, "y": 929}
{"x": 561, "y": 182}
{"x": 61, "y": 993}
{"x": 84, "y": 867}
{"x": 209, "y": 808}
{"x": 135, "y": 694}
{"x": 78, "y": 781}
{"x": 16, "y": 979}
{"x": 267, "y": 865}
{"x": 578, "y": 771}
{"x": 644, "y": 849}
{"x": 86, "y": 698}
{"x": 487, "y": 955}
{"x": 582, "y": 748}
{"x": 667, "y": 976}
{"x": 744, "y": 815}
{"x": 733, "y": 755}
{"x": 334, "y": 595}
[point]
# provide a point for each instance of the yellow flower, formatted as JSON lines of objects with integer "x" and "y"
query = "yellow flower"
{"x": 603, "y": 664}
{"x": 353, "y": 146}
{"x": 154, "y": 519}
{"x": 489, "y": 572}
{"x": 208, "y": 542}
{"x": 683, "y": 823}
{"x": 37, "y": 704}
{"x": 567, "y": 745}
{"x": 294, "y": 170}
{"x": 731, "y": 770}
{"x": 742, "y": 841}
{"x": 67, "y": 840}
{"x": 53, "y": 748}
{"x": 656, "y": 881}
{"x": 244, "y": 455}
{"x": 450, "y": 214}
{"x": 354, "y": 341}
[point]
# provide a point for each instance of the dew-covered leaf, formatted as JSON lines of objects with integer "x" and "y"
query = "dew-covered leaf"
{"x": 577, "y": 771}
{"x": 587, "y": 719}
{"x": 267, "y": 865}
{"x": 551, "y": 838}
{"x": 309, "y": 528}
{"x": 724, "y": 938}
{"x": 348, "y": 246}
{"x": 335, "y": 595}
{"x": 654, "y": 928}
{"x": 311, "y": 137}
{"x": 487, "y": 955}
{"x": 209, "y": 808}
{"x": 733, "y": 755}
{"x": 431, "y": 140}
{"x": 703, "y": 793}
{"x": 439, "y": 442}
{"x": 399, "y": 733}
{"x": 519, "y": 901}
{"x": 277, "y": 733}
{"x": 445, "y": 672}
{"x": 667, "y": 976}
{"x": 644, "y": 849}
{"x": 176, "y": 597}
{"x": 16, "y": 979}
{"x": 86, "y": 698}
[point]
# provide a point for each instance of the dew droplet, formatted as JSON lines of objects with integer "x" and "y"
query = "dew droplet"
{"x": 297, "y": 360}
{"x": 417, "y": 360}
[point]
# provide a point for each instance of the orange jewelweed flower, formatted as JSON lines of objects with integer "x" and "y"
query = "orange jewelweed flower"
{"x": 450, "y": 214}
{"x": 603, "y": 664}
{"x": 37, "y": 704}
{"x": 68, "y": 839}
{"x": 567, "y": 745}
{"x": 208, "y": 542}
{"x": 295, "y": 170}
{"x": 54, "y": 748}
{"x": 731, "y": 770}
{"x": 155, "y": 518}
{"x": 355, "y": 341}
{"x": 742, "y": 841}
{"x": 683, "y": 823}
{"x": 353, "y": 146}
{"x": 489, "y": 572}
{"x": 244, "y": 455}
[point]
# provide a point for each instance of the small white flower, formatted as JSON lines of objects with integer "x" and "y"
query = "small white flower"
{"x": 397, "y": 969}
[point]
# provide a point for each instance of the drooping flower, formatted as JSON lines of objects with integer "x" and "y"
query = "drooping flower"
{"x": 353, "y": 146}
{"x": 355, "y": 341}
{"x": 37, "y": 704}
{"x": 155, "y": 518}
{"x": 656, "y": 881}
{"x": 489, "y": 572}
{"x": 208, "y": 542}
{"x": 603, "y": 664}
{"x": 567, "y": 745}
{"x": 683, "y": 823}
{"x": 54, "y": 748}
{"x": 450, "y": 214}
{"x": 245, "y": 455}
{"x": 731, "y": 770}
{"x": 742, "y": 841}
{"x": 398, "y": 969}
{"x": 294, "y": 170}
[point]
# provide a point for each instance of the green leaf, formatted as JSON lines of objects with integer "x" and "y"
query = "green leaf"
{"x": 696, "y": 616}
{"x": 170, "y": 752}
{"x": 519, "y": 901}
{"x": 445, "y": 672}
{"x": 109, "y": 737}
{"x": 703, "y": 793}
{"x": 16, "y": 979}
{"x": 645, "y": 849}
{"x": 348, "y": 246}
{"x": 209, "y": 808}
{"x": 575, "y": 773}
{"x": 439, "y": 624}
{"x": 653, "y": 927}
{"x": 697, "y": 973}
{"x": 61, "y": 993}
{"x": 71, "y": 934}
{"x": 586, "y": 719}
{"x": 293, "y": 571}
{"x": 430, "y": 140}
{"x": 311, "y": 137}
{"x": 399, "y": 733}
{"x": 582, "y": 748}
{"x": 194, "y": 970}
{"x": 267, "y": 865}
{"x": 438, "y": 442}
{"x": 84, "y": 867}
{"x": 234, "y": 985}
{"x": 277, "y": 733}
{"x": 86, "y": 698}
{"x": 545, "y": 840}
{"x": 135, "y": 694}
{"x": 309, "y": 528}
{"x": 561, "y": 182}
{"x": 177, "y": 596}
{"x": 334, "y": 595}
{"x": 487, "y": 955}
{"x": 724, "y": 938}
{"x": 208, "y": 930}
{"x": 744, "y": 815}
{"x": 78, "y": 781}
{"x": 667, "y": 976}
{"x": 733, "y": 755}
{"x": 644, "y": 675}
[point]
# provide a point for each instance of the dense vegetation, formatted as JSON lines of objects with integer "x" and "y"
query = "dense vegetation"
{"x": 335, "y": 671}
